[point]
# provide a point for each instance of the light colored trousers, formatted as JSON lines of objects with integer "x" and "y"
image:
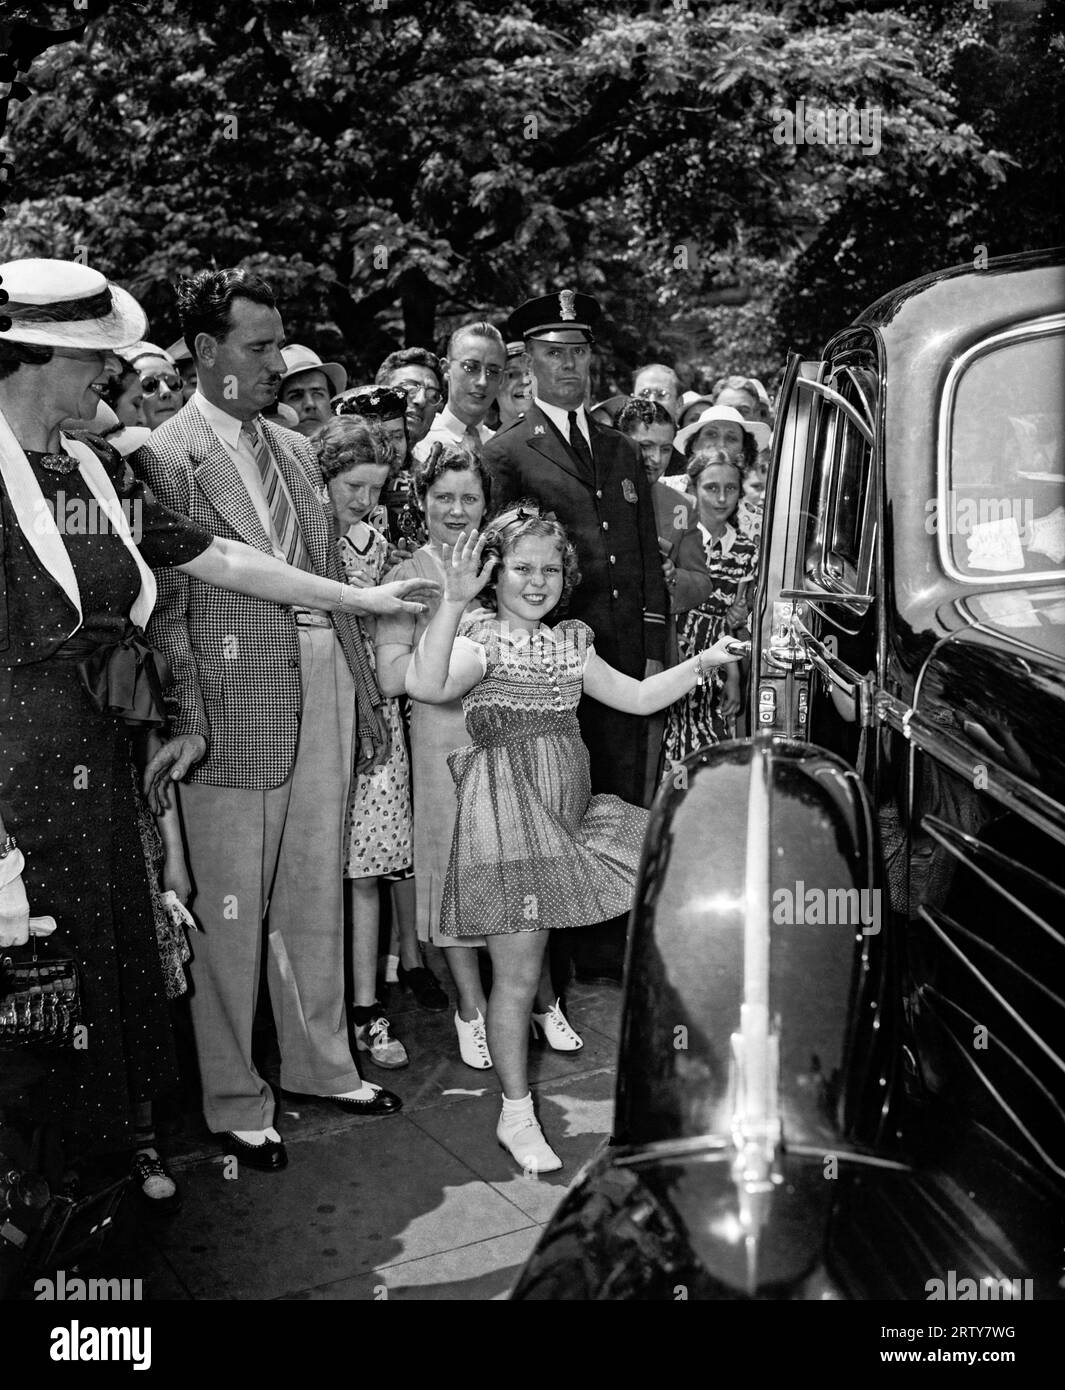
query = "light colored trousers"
{"x": 281, "y": 850}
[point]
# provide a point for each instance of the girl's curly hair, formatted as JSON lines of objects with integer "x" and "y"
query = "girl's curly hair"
{"x": 514, "y": 524}
{"x": 346, "y": 441}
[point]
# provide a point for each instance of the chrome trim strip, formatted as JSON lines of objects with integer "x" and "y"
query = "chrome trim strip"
{"x": 841, "y": 403}
{"x": 1034, "y": 805}
{"x": 992, "y": 1089}
{"x": 944, "y": 834}
{"x": 929, "y": 915}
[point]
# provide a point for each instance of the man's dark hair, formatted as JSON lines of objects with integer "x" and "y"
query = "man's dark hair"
{"x": 205, "y": 302}
{"x": 641, "y": 412}
{"x": 409, "y": 357}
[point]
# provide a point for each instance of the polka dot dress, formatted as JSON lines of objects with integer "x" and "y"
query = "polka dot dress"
{"x": 532, "y": 848}
{"x": 377, "y": 830}
{"x": 67, "y": 794}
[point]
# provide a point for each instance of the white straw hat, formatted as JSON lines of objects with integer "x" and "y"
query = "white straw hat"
{"x": 67, "y": 304}
{"x": 755, "y": 428}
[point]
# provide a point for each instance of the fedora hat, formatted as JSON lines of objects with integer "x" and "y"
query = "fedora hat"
{"x": 301, "y": 359}
{"x": 66, "y": 304}
{"x": 758, "y": 431}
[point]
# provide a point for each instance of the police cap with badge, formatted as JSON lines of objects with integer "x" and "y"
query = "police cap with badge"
{"x": 554, "y": 315}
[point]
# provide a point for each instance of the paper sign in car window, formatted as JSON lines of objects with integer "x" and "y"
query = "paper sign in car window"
{"x": 1048, "y": 535}
{"x": 996, "y": 545}
{"x": 1009, "y": 610}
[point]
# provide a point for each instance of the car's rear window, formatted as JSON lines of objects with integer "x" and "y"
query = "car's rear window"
{"x": 1002, "y": 512}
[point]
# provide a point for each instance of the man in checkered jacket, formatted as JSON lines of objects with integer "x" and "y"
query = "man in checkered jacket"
{"x": 272, "y": 694}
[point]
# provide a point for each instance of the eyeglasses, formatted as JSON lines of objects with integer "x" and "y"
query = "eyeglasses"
{"x": 655, "y": 393}
{"x": 150, "y": 384}
{"x": 472, "y": 368}
{"x": 432, "y": 394}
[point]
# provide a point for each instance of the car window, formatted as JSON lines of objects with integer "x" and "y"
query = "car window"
{"x": 1001, "y": 504}
{"x": 843, "y": 457}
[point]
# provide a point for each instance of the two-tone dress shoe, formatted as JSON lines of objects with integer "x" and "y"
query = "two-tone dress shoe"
{"x": 268, "y": 1157}
{"x": 382, "y": 1102}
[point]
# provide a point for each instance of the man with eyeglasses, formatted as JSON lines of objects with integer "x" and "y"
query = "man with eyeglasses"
{"x": 474, "y": 365}
{"x": 657, "y": 382}
{"x": 593, "y": 479}
{"x": 416, "y": 372}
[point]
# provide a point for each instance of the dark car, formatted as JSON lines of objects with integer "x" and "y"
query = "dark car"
{"x": 842, "y": 1058}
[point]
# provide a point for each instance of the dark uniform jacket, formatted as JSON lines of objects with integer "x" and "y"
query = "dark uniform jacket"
{"x": 622, "y": 596}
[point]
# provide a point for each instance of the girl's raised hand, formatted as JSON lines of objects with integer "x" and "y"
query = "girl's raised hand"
{"x": 463, "y": 577}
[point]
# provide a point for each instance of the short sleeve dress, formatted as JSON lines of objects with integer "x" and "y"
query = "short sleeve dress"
{"x": 435, "y": 732}
{"x": 377, "y": 828}
{"x": 67, "y": 795}
{"x": 532, "y": 848}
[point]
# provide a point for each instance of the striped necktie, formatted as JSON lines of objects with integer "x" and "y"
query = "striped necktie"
{"x": 286, "y": 523}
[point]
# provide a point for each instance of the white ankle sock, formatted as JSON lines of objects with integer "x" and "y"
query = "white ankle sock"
{"x": 516, "y": 1112}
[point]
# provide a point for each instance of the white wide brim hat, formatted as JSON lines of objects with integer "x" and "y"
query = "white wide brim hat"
{"x": 759, "y": 431}
{"x": 67, "y": 304}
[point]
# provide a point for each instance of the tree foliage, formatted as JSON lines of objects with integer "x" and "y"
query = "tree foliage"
{"x": 397, "y": 167}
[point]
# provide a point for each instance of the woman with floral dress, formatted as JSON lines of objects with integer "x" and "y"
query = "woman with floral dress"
{"x": 705, "y": 716}
{"x": 356, "y": 459}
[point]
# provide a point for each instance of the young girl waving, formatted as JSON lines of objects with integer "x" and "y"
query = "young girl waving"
{"x": 532, "y": 849}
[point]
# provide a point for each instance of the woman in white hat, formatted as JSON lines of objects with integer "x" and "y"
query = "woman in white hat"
{"x": 76, "y": 671}
{"x": 160, "y": 381}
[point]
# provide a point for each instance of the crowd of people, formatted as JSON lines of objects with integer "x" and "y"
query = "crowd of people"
{"x": 430, "y": 641}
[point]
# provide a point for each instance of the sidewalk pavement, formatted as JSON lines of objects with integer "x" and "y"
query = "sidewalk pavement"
{"x": 419, "y": 1205}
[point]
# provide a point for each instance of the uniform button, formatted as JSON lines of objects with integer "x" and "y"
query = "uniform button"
{"x": 613, "y": 559}
{"x": 599, "y": 492}
{"x": 615, "y": 592}
{"x": 606, "y": 525}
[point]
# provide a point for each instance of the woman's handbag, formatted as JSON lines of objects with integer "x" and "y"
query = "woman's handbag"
{"x": 40, "y": 997}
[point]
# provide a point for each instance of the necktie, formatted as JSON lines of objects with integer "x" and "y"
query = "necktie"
{"x": 286, "y": 523}
{"x": 578, "y": 443}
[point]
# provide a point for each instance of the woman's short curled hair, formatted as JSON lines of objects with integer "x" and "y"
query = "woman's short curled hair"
{"x": 16, "y": 355}
{"x": 517, "y": 522}
{"x": 450, "y": 458}
{"x": 348, "y": 441}
{"x": 707, "y": 458}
